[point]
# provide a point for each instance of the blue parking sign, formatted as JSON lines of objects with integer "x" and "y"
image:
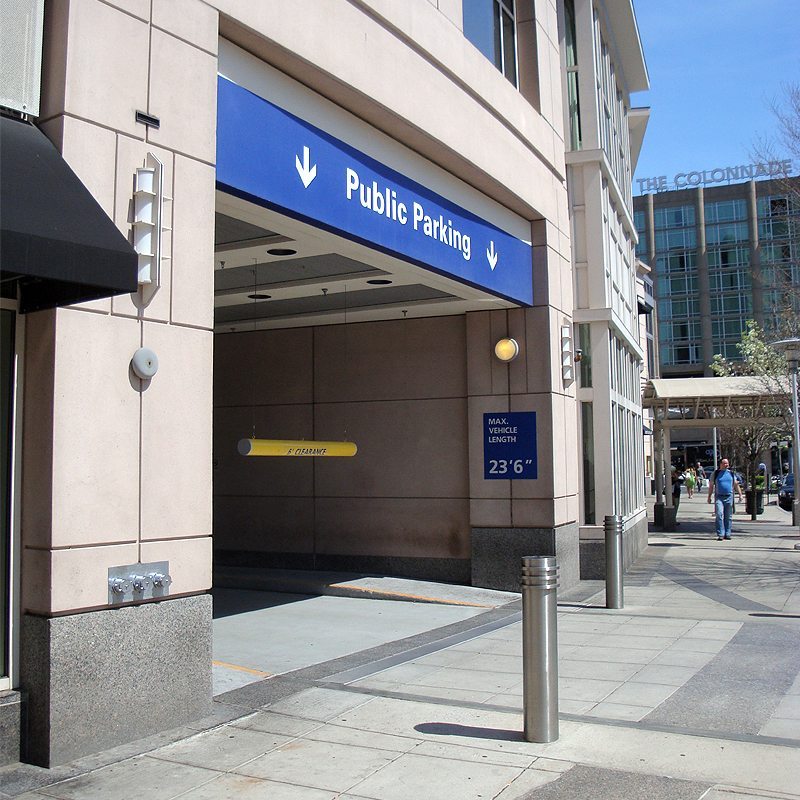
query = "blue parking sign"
{"x": 509, "y": 446}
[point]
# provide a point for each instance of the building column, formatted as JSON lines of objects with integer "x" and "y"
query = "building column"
{"x": 513, "y": 518}
{"x": 757, "y": 276}
{"x": 666, "y": 445}
{"x": 651, "y": 261}
{"x": 704, "y": 285}
{"x": 117, "y": 469}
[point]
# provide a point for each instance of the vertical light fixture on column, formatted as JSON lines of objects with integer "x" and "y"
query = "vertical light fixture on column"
{"x": 567, "y": 360}
{"x": 148, "y": 203}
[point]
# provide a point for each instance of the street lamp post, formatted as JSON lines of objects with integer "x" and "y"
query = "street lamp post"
{"x": 791, "y": 349}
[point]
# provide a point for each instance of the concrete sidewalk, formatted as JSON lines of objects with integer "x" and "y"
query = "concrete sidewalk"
{"x": 691, "y": 691}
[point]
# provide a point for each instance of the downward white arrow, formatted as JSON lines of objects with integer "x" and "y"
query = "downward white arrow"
{"x": 491, "y": 256}
{"x": 306, "y": 172}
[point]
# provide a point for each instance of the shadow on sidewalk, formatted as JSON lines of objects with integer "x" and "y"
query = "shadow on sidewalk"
{"x": 453, "y": 729}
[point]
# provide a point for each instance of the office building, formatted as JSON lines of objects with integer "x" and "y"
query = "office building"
{"x": 721, "y": 255}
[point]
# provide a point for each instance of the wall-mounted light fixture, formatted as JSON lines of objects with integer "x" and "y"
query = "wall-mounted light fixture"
{"x": 507, "y": 349}
{"x": 144, "y": 363}
{"x": 567, "y": 361}
{"x": 148, "y": 225}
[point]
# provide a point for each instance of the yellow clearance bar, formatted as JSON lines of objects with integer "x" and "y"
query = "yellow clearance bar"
{"x": 289, "y": 447}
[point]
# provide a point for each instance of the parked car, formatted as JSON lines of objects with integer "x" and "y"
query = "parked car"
{"x": 786, "y": 493}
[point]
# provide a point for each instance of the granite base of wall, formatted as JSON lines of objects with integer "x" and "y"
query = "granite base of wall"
{"x": 593, "y": 560}
{"x": 497, "y": 554}
{"x": 10, "y": 727}
{"x": 448, "y": 570}
{"x": 593, "y": 551}
{"x": 99, "y": 679}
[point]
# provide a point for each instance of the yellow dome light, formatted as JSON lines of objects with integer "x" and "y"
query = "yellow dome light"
{"x": 506, "y": 349}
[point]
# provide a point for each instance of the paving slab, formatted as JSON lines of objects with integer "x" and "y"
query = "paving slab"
{"x": 421, "y": 776}
{"x": 319, "y": 765}
{"x": 605, "y": 784}
{"x": 245, "y": 787}
{"x": 226, "y": 748}
{"x": 148, "y": 777}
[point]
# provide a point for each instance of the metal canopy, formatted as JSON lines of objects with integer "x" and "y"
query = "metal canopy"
{"x": 715, "y": 402}
{"x": 708, "y": 403}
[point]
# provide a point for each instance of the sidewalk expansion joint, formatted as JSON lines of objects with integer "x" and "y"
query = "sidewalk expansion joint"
{"x": 775, "y": 741}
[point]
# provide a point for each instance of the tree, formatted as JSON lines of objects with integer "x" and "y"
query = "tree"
{"x": 746, "y": 442}
{"x": 780, "y": 245}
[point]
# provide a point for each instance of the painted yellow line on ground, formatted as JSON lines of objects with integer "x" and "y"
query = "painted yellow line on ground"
{"x": 410, "y": 596}
{"x": 242, "y": 669}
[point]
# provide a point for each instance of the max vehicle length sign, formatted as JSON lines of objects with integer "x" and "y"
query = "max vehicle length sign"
{"x": 273, "y": 158}
{"x": 509, "y": 446}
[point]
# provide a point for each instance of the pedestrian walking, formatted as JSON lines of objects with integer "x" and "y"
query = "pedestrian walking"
{"x": 689, "y": 479}
{"x": 722, "y": 485}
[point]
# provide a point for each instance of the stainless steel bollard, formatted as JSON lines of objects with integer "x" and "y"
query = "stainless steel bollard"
{"x": 612, "y": 526}
{"x": 539, "y": 648}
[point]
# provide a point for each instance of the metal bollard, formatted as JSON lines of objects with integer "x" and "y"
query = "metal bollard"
{"x": 612, "y": 526}
{"x": 539, "y": 648}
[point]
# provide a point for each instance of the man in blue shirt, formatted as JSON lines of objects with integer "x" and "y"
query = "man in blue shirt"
{"x": 722, "y": 485}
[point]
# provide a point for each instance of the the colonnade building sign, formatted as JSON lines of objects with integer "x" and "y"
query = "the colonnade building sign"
{"x": 744, "y": 172}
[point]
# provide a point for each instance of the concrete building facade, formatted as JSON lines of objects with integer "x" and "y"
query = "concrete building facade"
{"x": 604, "y": 64}
{"x": 339, "y": 209}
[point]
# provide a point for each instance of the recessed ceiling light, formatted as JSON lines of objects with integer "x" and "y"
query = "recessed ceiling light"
{"x": 379, "y": 282}
{"x": 282, "y": 251}
{"x": 259, "y": 296}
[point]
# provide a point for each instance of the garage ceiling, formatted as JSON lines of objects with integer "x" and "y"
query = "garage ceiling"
{"x": 272, "y": 271}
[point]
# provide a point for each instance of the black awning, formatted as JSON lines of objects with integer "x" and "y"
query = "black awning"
{"x": 56, "y": 242}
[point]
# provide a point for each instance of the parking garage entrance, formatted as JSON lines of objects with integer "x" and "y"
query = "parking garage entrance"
{"x": 358, "y": 292}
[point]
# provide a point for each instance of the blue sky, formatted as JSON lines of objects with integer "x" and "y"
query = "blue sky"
{"x": 715, "y": 66}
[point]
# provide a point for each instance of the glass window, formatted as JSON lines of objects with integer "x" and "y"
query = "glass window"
{"x": 776, "y": 206}
{"x": 776, "y": 228}
{"x": 731, "y": 232}
{"x": 587, "y": 438}
{"x": 679, "y": 239}
{"x": 490, "y": 26}
{"x": 677, "y": 262}
{"x": 585, "y": 344}
{"x": 781, "y": 251}
{"x": 681, "y": 330}
{"x": 677, "y": 217}
{"x": 721, "y": 257}
{"x": 726, "y": 211}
